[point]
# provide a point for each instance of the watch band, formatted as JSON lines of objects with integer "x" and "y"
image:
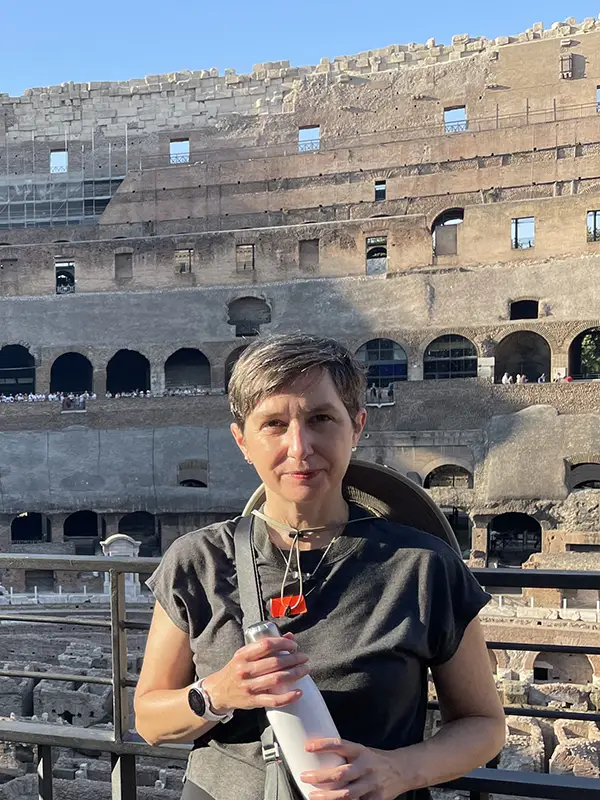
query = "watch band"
{"x": 207, "y": 712}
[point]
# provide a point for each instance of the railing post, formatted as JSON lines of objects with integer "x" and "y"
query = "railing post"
{"x": 122, "y": 776}
{"x": 44, "y": 771}
{"x": 119, "y": 653}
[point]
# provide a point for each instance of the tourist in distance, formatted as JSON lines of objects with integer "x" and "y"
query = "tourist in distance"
{"x": 506, "y": 379}
{"x": 542, "y": 378}
{"x": 381, "y": 602}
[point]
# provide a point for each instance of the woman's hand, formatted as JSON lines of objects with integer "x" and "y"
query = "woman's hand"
{"x": 369, "y": 774}
{"x": 258, "y": 676}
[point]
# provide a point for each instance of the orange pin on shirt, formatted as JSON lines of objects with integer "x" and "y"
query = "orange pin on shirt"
{"x": 289, "y": 606}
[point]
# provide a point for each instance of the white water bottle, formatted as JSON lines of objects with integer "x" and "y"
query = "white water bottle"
{"x": 304, "y": 719}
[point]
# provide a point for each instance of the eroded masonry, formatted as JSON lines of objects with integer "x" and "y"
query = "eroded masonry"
{"x": 436, "y": 208}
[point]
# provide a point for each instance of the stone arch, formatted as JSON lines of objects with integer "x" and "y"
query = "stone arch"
{"x": 584, "y": 354}
{"x": 513, "y": 538}
{"x": 82, "y": 528}
{"x": 386, "y": 362}
{"x": 127, "y": 371}
{"x": 450, "y": 476}
{"x": 31, "y": 527}
{"x": 17, "y": 370}
{"x": 584, "y": 476}
{"x": 230, "y": 363}
{"x": 193, "y": 473}
{"x": 502, "y": 659}
{"x": 444, "y": 233}
{"x": 144, "y": 527}
{"x": 187, "y": 368}
{"x": 248, "y": 313}
{"x": 450, "y": 356}
{"x": 562, "y": 668}
{"x": 523, "y": 352}
{"x": 71, "y": 373}
{"x": 441, "y": 461}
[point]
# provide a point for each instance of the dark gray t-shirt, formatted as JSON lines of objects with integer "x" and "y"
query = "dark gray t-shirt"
{"x": 395, "y": 601}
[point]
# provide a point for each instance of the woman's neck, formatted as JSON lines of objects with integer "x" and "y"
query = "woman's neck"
{"x": 331, "y": 513}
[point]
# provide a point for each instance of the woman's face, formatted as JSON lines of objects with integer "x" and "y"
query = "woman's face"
{"x": 301, "y": 439}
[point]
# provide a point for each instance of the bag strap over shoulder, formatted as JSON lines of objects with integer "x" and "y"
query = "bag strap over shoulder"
{"x": 247, "y": 572}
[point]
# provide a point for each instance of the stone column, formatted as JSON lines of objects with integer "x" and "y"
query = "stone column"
{"x": 99, "y": 382}
{"x": 157, "y": 378}
{"x": 415, "y": 371}
{"x": 485, "y": 368}
{"x": 217, "y": 376}
{"x": 57, "y": 524}
{"x": 42, "y": 377}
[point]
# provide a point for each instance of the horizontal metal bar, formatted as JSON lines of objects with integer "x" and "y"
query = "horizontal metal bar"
{"x": 55, "y": 676}
{"x": 546, "y": 648}
{"x": 91, "y": 623}
{"x": 76, "y": 738}
{"x": 542, "y": 712}
{"x": 535, "y": 578}
{"x": 134, "y": 625}
{"x": 528, "y": 784}
{"x": 82, "y": 563}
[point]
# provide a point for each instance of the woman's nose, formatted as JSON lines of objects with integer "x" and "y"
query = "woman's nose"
{"x": 299, "y": 441}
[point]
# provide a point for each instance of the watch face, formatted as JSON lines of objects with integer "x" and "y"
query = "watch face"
{"x": 197, "y": 703}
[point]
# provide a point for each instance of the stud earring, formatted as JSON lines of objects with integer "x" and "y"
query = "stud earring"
{"x": 248, "y": 461}
{"x": 354, "y": 449}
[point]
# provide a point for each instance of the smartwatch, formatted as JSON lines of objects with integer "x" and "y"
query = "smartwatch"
{"x": 200, "y": 704}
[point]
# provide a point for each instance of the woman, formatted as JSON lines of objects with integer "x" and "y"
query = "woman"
{"x": 383, "y": 603}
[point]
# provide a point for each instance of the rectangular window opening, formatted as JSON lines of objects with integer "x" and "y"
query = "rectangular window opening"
{"x": 123, "y": 266}
{"x": 179, "y": 151}
{"x": 244, "y": 257}
{"x": 65, "y": 276}
{"x": 593, "y": 226}
{"x": 309, "y": 138}
{"x": 183, "y": 261}
{"x": 308, "y": 254}
{"x": 523, "y": 233}
{"x": 380, "y": 190}
{"x": 59, "y": 161}
{"x": 455, "y": 119}
{"x": 376, "y": 247}
{"x": 566, "y": 66}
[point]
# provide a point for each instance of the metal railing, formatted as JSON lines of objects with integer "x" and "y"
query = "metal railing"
{"x": 179, "y": 158}
{"x": 309, "y": 145}
{"x": 125, "y": 745}
{"x": 523, "y": 243}
{"x": 527, "y": 116}
{"x": 456, "y": 127}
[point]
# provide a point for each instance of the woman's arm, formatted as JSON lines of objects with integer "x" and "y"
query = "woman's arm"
{"x": 473, "y": 732}
{"x": 257, "y": 676}
{"x": 474, "y": 728}
{"x": 162, "y": 712}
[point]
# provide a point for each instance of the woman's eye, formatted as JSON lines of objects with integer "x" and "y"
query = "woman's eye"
{"x": 274, "y": 423}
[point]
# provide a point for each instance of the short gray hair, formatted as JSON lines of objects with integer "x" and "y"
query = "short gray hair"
{"x": 269, "y": 365}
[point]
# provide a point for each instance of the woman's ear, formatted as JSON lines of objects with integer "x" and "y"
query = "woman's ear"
{"x": 360, "y": 420}
{"x": 238, "y": 435}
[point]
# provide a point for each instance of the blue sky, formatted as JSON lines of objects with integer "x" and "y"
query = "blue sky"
{"x": 45, "y": 43}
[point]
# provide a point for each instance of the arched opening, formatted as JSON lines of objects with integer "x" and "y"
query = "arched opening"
{"x": 512, "y": 538}
{"x": 17, "y": 370}
{"x": 386, "y": 363}
{"x": 230, "y": 364}
{"x": 444, "y": 232}
{"x": 376, "y": 255}
{"x": 584, "y": 355}
{"x": 449, "y": 476}
{"x": 523, "y": 353}
{"x": 71, "y": 373}
{"x": 82, "y": 528}
{"x": 193, "y": 473}
{"x": 460, "y": 522}
{"x": 128, "y": 371}
{"x": 584, "y": 476}
{"x": 248, "y": 314}
{"x": 187, "y": 368}
{"x": 524, "y": 309}
{"x": 145, "y": 529}
{"x": 562, "y": 668}
{"x": 30, "y": 527}
{"x": 450, "y": 356}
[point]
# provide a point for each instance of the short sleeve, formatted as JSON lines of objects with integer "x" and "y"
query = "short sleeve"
{"x": 455, "y": 599}
{"x": 177, "y": 586}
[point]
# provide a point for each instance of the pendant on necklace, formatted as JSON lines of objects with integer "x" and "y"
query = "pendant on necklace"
{"x": 289, "y": 606}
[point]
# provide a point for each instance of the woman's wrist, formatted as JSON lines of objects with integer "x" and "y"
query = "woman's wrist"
{"x": 213, "y": 686}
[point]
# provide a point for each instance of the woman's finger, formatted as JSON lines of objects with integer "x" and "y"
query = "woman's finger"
{"x": 349, "y": 750}
{"x": 333, "y": 777}
{"x": 276, "y": 680}
{"x": 359, "y": 790}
